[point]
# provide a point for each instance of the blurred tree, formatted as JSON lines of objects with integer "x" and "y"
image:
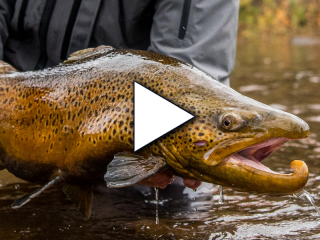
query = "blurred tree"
{"x": 279, "y": 17}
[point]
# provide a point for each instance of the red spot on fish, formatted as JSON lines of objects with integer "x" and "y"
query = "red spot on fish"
{"x": 200, "y": 143}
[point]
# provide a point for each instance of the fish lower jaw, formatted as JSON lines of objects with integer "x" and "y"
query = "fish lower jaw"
{"x": 243, "y": 171}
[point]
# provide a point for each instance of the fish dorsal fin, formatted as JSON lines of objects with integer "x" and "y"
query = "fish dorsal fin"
{"x": 26, "y": 198}
{"x": 127, "y": 169}
{"x": 81, "y": 196}
{"x": 6, "y": 68}
{"x": 87, "y": 53}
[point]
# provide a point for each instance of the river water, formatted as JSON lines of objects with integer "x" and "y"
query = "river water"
{"x": 282, "y": 73}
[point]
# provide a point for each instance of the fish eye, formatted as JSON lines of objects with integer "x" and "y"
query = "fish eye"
{"x": 227, "y": 122}
{"x": 231, "y": 121}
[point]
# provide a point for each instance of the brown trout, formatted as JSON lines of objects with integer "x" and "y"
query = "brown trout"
{"x": 73, "y": 125}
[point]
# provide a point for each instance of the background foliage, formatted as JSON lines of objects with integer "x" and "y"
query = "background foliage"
{"x": 280, "y": 17}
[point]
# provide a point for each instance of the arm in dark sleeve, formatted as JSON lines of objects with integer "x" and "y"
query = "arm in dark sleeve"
{"x": 200, "y": 32}
{"x": 6, "y": 11}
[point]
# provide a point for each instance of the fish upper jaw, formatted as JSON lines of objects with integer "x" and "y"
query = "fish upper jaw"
{"x": 271, "y": 124}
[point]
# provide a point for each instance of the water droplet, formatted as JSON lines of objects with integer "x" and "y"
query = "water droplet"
{"x": 16, "y": 186}
{"x": 157, "y": 199}
{"x": 157, "y": 193}
{"x": 221, "y": 199}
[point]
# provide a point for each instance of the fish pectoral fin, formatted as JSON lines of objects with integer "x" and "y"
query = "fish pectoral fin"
{"x": 81, "y": 196}
{"x": 127, "y": 169}
{"x": 87, "y": 53}
{"x": 26, "y": 198}
{"x": 6, "y": 68}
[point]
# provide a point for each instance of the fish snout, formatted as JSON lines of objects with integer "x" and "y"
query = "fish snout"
{"x": 283, "y": 124}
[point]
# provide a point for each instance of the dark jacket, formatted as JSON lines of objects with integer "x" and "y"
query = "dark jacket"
{"x": 42, "y": 33}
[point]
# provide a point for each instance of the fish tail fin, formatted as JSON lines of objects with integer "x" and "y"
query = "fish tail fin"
{"x": 26, "y": 198}
{"x": 81, "y": 196}
{"x": 6, "y": 68}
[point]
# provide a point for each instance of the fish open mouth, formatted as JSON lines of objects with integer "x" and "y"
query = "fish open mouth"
{"x": 253, "y": 155}
{"x": 243, "y": 170}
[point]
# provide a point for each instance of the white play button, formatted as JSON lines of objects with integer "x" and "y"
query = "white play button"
{"x": 154, "y": 116}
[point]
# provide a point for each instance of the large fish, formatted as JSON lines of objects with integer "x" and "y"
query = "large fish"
{"x": 73, "y": 124}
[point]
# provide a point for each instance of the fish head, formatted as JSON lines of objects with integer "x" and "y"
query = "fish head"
{"x": 229, "y": 137}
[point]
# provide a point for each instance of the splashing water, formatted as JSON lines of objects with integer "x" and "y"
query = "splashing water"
{"x": 157, "y": 201}
{"x": 221, "y": 199}
{"x": 309, "y": 197}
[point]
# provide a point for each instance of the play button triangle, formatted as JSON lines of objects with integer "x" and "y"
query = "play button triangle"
{"x": 154, "y": 116}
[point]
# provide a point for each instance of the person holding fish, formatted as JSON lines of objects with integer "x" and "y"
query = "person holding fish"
{"x": 38, "y": 34}
{"x": 72, "y": 124}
